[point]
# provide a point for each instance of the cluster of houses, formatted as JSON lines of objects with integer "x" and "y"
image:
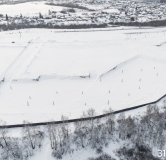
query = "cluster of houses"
{"x": 113, "y": 11}
{"x": 142, "y": 12}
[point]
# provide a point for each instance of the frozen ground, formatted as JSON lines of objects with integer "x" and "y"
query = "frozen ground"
{"x": 28, "y": 9}
{"x": 83, "y": 154}
{"x": 62, "y": 59}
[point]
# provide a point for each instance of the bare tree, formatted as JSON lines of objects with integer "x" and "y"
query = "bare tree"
{"x": 32, "y": 134}
{"x": 91, "y": 121}
{"x": 122, "y": 125}
{"x": 3, "y": 133}
{"x": 80, "y": 133}
{"x": 110, "y": 120}
{"x": 51, "y": 132}
{"x": 130, "y": 127}
{"x": 65, "y": 126}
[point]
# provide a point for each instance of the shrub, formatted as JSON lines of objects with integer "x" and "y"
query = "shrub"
{"x": 137, "y": 151}
{"x": 71, "y": 10}
{"x": 63, "y": 11}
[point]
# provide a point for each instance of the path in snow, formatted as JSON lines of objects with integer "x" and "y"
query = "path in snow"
{"x": 20, "y": 64}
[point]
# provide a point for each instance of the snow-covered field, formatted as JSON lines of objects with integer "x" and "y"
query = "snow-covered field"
{"x": 78, "y": 71}
{"x": 28, "y": 9}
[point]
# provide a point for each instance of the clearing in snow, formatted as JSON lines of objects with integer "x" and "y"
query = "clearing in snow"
{"x": 49, "y": 72}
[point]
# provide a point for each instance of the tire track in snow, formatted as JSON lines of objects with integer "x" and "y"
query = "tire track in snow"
{"x": 21, "y": 61}
{"x": 20, "y": 64}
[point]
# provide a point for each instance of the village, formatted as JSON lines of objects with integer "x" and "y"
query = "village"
{"x": 89, "y": 13}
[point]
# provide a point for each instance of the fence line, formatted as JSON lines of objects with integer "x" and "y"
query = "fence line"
{"x": 88, "y": 118}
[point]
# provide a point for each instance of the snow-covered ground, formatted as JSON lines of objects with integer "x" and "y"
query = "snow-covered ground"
{"x": 62, "y": 59}
{"x": 28, "y": 9}
{"x": 83, "y": 154}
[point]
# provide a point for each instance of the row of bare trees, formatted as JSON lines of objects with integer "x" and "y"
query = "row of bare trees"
{"x": 19, "y": 148}
{"x": 143, "y": 134}
{"x": 147, "y": 129}
{"x": 86, "y": 132}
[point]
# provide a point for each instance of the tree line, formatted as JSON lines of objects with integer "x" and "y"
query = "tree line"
{"x": 140, "y": 133}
